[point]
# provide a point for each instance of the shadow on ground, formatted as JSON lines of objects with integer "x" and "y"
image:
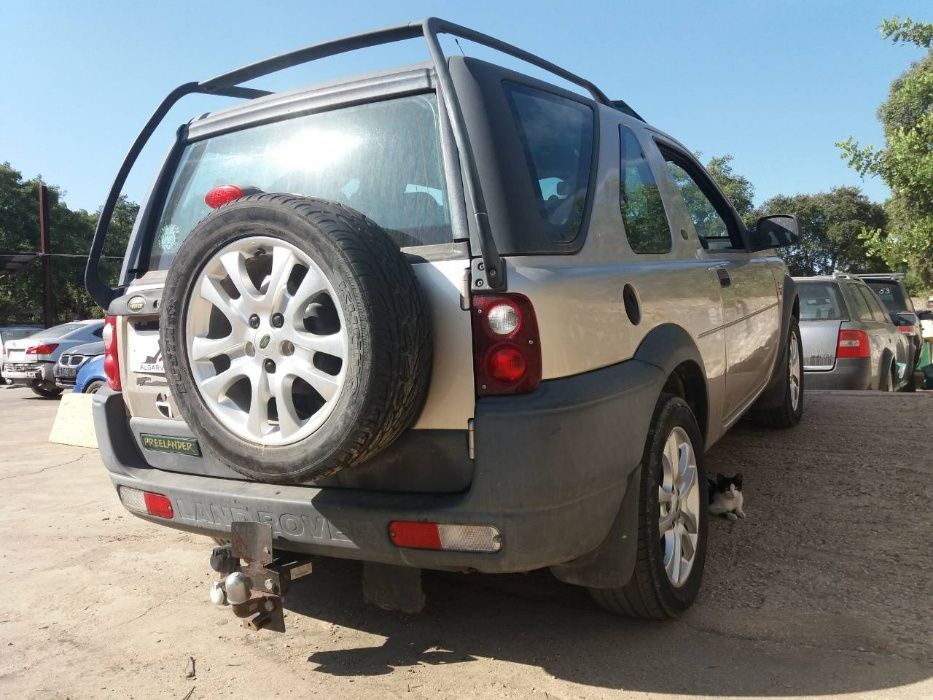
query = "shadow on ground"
{"x": 823, "y": 590}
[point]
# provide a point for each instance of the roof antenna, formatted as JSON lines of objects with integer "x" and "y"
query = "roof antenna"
{"x": 457, "y": 40}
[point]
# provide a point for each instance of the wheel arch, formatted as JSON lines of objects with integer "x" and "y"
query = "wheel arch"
{"x": 671, "y": 348}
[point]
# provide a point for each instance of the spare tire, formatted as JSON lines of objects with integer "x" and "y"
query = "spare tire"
{"x": 296, "y": 338}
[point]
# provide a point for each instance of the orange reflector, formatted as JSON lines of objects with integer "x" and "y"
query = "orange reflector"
{"x": 453, "y": 538}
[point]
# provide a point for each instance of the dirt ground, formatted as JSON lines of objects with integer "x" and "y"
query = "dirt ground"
{"x": 826, "y": 589}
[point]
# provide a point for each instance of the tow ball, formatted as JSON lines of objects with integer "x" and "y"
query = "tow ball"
{"x": 254, "y": 582}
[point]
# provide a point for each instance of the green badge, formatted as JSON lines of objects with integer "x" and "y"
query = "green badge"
{"x": 168, "y": 443}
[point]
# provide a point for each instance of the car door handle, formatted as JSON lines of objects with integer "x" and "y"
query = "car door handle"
{"x": 723, "y": 275}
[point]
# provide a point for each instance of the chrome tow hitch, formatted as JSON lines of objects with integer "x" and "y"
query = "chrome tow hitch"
{"x": 253, "y": 582}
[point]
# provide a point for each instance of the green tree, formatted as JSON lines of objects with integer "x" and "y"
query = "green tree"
{"x": 70, "y": 234}
{"x": 738, "y": 188}
{"x": 833, "y": 225}
{"x": 906, "y": 161}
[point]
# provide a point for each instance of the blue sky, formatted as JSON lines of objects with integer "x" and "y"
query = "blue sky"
{"x": 775, "y": 84}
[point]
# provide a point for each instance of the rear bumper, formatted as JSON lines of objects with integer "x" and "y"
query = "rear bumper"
{"x": 550, "y": 473}
{"x": 28, "y": 373}
{"x": 848, "y": 373}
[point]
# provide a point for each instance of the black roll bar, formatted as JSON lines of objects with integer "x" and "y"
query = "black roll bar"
{"x": 229, "y": 85}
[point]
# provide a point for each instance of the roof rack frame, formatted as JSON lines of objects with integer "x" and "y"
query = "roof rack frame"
{"x": 230, "y": 85}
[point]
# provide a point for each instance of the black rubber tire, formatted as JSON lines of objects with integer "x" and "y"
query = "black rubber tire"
{"x": 649, "y": 593}
{"x": 889, "y": 378}
{"x": 388, "y": 322}
{"x": 46, "y": 392}
{"x": 93, "y": 387}
{"x": 784, "y": 415}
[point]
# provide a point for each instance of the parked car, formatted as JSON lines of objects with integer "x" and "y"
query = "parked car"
{"x": 66, "y": 369}
{"x": 322, "y": 327}
{"x": 849, "y": 341}
{"x": 91, "y": 376}
{"x": 16, "y": 332}
{"x": 890, "y": 289}
{"x": 31, "y": 361}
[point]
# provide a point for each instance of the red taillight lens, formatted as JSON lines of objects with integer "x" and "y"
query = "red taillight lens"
{"x": 45, "y": 349}
{"x": 506, "y": 346}
{"x": 220, "y": 195}
{"x": 909, "y": 330}
{"x": 506, "y": 364}
{"x": 853, "y": 344}
{"x": 111, "y": 358}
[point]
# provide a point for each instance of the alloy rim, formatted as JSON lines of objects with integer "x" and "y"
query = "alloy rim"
{"x": 266, "y": 340}
{"x": 794, "y": 371}
{"x": 679, "y": 504}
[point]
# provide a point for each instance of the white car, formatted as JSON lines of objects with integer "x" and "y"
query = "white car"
{"x": 30, "y": 361}
{"x": 8, "y": 333}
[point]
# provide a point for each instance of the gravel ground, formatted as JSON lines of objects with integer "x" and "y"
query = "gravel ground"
{"x": 826, "y": 589}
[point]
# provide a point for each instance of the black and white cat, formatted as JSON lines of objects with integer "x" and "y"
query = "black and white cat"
{"x": 725, "y": 496}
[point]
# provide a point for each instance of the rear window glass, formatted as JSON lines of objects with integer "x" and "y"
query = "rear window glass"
{"x": 821, "y": 301}
{"x": 382, "y": 158}
{"x": 59, "y": 331}
{"x": 557, "y": 138}
{"x": 890, "y": 294}
{"x": 640, "y": 200}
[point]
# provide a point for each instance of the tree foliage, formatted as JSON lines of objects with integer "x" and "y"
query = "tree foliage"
{"x": 905, "y": 163}
{"x": 70, "y": 234}
{"x": 738, "y": 188}
{"x": 833, "y": 227}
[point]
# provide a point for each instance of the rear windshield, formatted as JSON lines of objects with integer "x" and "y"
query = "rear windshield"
{"x": 821, "y": 301}
{"x": 60, "y": 331}
{"x": 382, "y": 158}
{"x": 890, "y": 294}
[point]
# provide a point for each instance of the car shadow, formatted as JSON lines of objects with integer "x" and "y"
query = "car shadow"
{"x": 819, "y": 592}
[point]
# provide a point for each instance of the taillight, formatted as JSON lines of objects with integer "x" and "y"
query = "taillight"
{"x": 220, "y": 195}
{"x": 111, "y": 358}
{"x": 44, "y": 349}
{"x": 506, "y": 346}
{"x": 909, "y": 330}
{"x": 853, "y": 344}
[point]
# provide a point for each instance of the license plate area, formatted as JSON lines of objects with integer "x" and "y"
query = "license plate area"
{"x": 145, "y": 348}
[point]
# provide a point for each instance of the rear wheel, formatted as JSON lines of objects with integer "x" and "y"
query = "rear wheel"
{"x": 671, "y": 519}
{"x": 46, "y": 391}
{"x": 788, "y": 413}
{"x": 889, "y": 378}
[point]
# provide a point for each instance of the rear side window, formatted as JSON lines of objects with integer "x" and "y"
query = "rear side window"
{"x": 557, "y": 139}
{"x": 643, "y": 214}
{"x": 877, "y": 311}
{"x": 821, "y": 301}
{"x": 862, "y": 309}
{"x": 382, "y": 158}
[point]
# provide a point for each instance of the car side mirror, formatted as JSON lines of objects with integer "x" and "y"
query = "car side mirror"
{"x": 775, "y": 231}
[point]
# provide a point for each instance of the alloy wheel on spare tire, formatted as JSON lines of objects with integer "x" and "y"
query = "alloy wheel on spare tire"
{"x": 296, "y": 337}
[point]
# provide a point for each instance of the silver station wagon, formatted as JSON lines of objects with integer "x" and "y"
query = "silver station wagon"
{"x": 849, "y": 341}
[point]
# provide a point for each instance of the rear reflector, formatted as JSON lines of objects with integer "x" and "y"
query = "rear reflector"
{"x": 853, "y": 344}
{"x": 452, "y": 538}
{"x": 146, "y": 502}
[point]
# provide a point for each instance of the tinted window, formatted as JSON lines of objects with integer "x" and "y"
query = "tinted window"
{"x": 640, "y": 201}
{"x": 709, "y": 224}
{"x": 860, "y": 303}
{"x": 382, "y": 158}
{"x": 557, "y": 138}
{"x": 821, "y": 301}
{"x": 877, "y": 311}
{"x": 59, "y": 331}
{"x": 890, "y": 294}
